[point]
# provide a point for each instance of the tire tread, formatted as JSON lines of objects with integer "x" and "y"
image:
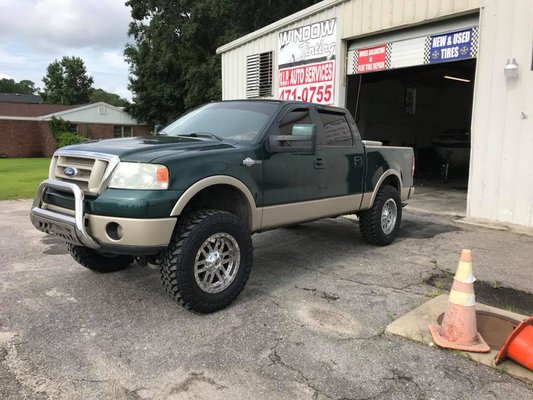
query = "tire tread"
{"x": 174, "y": 265}
{"x": 94, "y": 261}
{"x": 370, "y": 220}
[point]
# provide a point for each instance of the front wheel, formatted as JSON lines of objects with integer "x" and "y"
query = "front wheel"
{"x": 380, "y": 225}
{"x": 95, "y": 261}
{"x": 208, "y": 261}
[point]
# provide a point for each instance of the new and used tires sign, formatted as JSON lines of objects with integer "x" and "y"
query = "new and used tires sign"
{"x": 306, "y": 63}
{"x": 437, "y": 48}
{"x": 451, "y": 46}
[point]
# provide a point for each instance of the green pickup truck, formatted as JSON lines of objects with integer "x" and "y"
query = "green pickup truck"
{"x": 189, "y": 197}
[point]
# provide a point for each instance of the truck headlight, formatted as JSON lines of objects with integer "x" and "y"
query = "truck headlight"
{"x": 140, "y": 176}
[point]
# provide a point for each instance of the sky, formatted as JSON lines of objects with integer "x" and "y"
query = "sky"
{"x": 34, "y": 33}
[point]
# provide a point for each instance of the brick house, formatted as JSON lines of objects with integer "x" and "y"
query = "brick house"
{"x": 24, "y": 128}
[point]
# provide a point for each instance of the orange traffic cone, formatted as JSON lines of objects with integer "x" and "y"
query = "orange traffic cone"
{"x": 519, "y": 345}
{"x": 459, "y": 326}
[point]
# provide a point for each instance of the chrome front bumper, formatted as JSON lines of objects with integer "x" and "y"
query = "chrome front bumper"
{"x": 70, "y": 228}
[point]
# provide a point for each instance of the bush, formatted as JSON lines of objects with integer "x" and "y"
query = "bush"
{"x": 60, "y": 131}
{"x": 57, "y": 126}
{"x": 67, "y": 138}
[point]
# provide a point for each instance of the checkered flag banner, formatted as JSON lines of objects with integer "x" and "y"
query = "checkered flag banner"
{"x": 388, "y": 56}
{"x": 427, "y": 48}
{"x": 475, "y": 42}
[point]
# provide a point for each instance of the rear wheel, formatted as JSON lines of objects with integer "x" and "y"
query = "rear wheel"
{"x": 95, "y": 261}
{"x": 380, "y": 225}
{"x": 208, "y": 261}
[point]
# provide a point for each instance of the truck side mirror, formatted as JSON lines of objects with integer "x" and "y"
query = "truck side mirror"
{"x": 158, "y": 128}
{"x": 302, "y": 140}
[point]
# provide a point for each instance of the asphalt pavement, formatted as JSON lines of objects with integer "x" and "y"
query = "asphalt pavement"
{"x": 309, "y": 324}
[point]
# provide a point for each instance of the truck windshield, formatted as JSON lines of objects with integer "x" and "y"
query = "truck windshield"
{"x": 232, "y": 120}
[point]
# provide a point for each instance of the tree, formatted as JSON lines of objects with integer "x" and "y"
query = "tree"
{"x": 110, "y": 98}
{"x": 67, "y": 82}
{"x": 11, "y": 86}
{"x": 173, "y": 61}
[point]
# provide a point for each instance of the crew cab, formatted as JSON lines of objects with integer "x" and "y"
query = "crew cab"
{"x": 189, "y": 197}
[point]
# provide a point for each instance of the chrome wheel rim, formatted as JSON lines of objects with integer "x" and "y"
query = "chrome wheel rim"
{"x": 389, "y": 214}
{"x": 217, "y": 263}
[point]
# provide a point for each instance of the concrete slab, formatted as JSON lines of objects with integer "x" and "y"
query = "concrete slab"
{"x": 439, "y": 198}
{"x": 501, "y": 226}
{"x": 414, "y": 325}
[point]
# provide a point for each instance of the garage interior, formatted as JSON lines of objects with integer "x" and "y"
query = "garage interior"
{"x": 429, "y": 108}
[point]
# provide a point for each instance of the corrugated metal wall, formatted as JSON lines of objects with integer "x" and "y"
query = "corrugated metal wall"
{"x": 501, "y": 166}
{"x": 362, "y": 17}
{"x": 354, "y": 18}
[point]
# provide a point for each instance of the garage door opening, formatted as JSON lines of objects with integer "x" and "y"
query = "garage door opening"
{"x": 426, "y": 107}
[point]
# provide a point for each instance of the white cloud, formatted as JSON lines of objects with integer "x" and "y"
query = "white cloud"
{"x": 49, "y": 24}
{"x": 36, "y": 32}
{"x": 10, "y": 59}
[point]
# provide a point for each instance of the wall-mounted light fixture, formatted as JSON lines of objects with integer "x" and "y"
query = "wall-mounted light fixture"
{"x": 511, "y": 68}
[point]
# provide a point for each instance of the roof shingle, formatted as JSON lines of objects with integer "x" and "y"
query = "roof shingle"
{"x": 20, "y": 98}
{"x": 30, "y": 110}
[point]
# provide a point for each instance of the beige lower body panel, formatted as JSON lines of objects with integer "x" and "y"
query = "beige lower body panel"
{"x": 135, "y": 232}
{"x": 367, "y": 201}
{"x": 368, "y": 198}
{"x": 287, "y": 214}
{"x": 407, "y": 193}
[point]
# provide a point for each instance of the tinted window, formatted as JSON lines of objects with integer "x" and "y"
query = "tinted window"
{"x": 336, "y": 129}
{"x": 299, "y": 116}
{"x": 231, "y": 120}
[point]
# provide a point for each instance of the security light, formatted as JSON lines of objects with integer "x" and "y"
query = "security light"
{"x": 511, "y": 68}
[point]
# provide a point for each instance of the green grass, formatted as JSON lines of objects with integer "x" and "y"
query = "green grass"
{"x": 439, "y": 285}
{"x": 19, "y": 177}
{"x": 433, "y": 293}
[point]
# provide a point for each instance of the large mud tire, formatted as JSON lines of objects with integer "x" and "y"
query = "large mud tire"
{"x": 95, "y": 261}
{"x": 195, "y": 247}
{"x": 380, "y": 225}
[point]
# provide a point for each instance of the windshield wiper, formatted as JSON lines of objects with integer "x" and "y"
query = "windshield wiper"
{"x": 201, "y": 134}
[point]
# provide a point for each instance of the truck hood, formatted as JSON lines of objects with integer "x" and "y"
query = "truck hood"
{"x": 150, "y": 148}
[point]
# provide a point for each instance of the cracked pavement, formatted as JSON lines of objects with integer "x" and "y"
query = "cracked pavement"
{"x": 308, "y": 325}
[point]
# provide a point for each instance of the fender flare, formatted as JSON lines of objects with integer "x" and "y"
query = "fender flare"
{"x": 255, "y": 214}
{"x": 380, "y": 181}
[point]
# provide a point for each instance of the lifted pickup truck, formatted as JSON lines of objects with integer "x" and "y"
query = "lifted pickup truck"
{"x": 190, "y": 197}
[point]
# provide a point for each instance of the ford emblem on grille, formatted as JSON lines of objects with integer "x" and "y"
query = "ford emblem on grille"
{"x": 70, "y": 171}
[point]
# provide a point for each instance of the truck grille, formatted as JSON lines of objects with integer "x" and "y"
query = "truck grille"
{"x": 90, "y": 171}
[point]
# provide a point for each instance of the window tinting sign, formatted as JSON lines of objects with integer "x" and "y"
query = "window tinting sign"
{"x": 451, "y": 46}
{"x": 306, "y": 62}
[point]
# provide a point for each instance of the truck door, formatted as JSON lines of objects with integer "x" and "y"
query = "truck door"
{"x": 340, "y": 152}
{"x": 291, "y": 177}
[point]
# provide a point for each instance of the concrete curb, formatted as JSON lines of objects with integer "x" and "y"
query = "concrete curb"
{"x": 414, "y": 326}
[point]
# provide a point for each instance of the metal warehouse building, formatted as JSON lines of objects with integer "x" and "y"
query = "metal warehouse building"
{"x": 451, "y": 78}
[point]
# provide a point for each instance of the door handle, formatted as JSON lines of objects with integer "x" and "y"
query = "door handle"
{"x": 358, "y": 161}
{"x": 320, "y": 163}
